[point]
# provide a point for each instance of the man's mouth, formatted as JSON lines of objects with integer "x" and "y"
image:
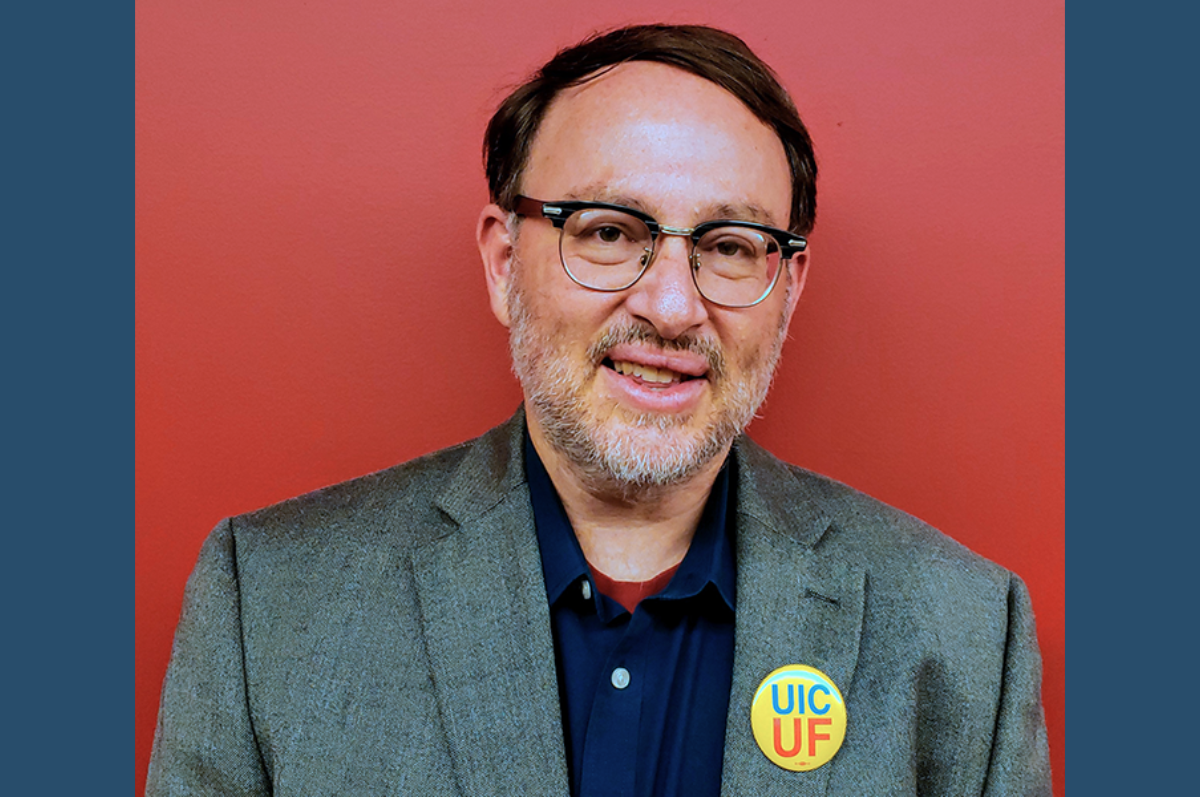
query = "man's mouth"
{"x": 649, "y": 379}
{"x": 648, "y": 373}
{"x": 670, "y": 371}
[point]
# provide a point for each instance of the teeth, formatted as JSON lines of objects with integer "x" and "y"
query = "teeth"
{"x": 646, "y": 372}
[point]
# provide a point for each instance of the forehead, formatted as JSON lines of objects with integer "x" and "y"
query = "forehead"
{"x": 676, "y": 143}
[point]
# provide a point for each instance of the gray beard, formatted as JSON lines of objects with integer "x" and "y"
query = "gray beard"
{"x": 626, "y": 462}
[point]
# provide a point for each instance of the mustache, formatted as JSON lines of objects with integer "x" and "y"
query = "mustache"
{"x": 633, "y": 332}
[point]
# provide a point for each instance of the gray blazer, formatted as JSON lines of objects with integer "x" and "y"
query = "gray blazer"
{"x": 390, "y": 635}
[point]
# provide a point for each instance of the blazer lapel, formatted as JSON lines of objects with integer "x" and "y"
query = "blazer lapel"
{"x": 487, "y": 629}
{"x": 795, "y": 605}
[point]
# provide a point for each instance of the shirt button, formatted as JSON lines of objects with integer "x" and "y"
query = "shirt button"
{"x": 587, "y": 590}
{"x": 620, "y": 678}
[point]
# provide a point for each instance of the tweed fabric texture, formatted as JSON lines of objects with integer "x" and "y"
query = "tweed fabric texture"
{"x": 390, "y": 635}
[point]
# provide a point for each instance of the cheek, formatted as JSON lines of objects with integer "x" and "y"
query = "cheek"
{"x": 750, "y": 347}
{"x": 574, "y": 316}
{"x": 751, "y": 360}
{"x": 561, "y": 326}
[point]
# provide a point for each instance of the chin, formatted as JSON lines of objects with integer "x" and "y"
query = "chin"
{"x": 631, "y": 452}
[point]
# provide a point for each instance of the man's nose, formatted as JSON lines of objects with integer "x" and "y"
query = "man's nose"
{"x": 666, "y": 295}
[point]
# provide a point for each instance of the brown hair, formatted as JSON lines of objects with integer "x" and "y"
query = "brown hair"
{"x": 712, "y": 54}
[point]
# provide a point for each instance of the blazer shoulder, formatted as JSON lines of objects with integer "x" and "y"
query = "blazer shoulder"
{"x": 887, "y": 541}
{"x": 399, "y": 504}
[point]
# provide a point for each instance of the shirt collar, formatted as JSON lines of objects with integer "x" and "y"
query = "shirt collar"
{"x": 709, "y": 560}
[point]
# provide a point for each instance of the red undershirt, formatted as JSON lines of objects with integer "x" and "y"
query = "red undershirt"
{"x": 630, "y": 593}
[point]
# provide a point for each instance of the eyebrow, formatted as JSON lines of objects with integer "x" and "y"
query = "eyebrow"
{"x": 744, "y": 211}
{"x": 601, "y": 193}
{"x": 734, "y": 211}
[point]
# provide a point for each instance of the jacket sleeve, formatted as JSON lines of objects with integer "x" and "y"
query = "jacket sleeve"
{"x": 1020, "y": 758}
{"x": 205, "y": 742}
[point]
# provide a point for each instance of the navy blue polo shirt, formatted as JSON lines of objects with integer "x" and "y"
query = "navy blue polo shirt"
{"x": 644, "y": 695}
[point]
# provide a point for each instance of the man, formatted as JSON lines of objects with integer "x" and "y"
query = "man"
{"x": 614, "y": 592}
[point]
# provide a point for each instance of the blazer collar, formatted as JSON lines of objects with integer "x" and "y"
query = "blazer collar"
{"x": 482, "y": 603}
{"x": 491, "y": 470}
{"x": 799, "y": 602}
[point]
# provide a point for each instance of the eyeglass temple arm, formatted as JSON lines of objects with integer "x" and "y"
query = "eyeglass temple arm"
{"x": 525, "y": 206}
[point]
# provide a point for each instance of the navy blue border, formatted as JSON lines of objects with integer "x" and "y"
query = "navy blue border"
{"x": 68, "y": 282}
{"x": 1132, "y": 535}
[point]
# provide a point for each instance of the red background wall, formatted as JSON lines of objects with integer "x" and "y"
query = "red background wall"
{"x": 310, "y": 305}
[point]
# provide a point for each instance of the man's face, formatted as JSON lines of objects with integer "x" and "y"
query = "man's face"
{"x": 649, "y": 385}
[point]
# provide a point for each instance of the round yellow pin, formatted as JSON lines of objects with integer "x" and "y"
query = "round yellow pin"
{"x": 798, "y": 717}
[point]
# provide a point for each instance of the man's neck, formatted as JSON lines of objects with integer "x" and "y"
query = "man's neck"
{"x": 628, "y": 536}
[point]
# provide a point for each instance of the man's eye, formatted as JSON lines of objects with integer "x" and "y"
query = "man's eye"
{"x": 730, "y": 249}
{"x": 609, "y": 235}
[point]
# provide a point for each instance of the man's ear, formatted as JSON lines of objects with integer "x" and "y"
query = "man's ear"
{"x": 796, "y": 276}
{"x": 496, "y": 248}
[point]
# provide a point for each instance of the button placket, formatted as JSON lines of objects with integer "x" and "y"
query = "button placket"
{"x": 616, "y": 720}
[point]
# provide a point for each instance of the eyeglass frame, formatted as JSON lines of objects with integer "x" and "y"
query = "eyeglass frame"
{"x": 557, "y": 213}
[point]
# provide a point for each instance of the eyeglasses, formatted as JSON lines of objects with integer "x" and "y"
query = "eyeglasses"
{"x": 609, "y": 247}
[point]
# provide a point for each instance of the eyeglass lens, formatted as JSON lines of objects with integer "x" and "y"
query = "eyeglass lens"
{"x": 609, "y": 250}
